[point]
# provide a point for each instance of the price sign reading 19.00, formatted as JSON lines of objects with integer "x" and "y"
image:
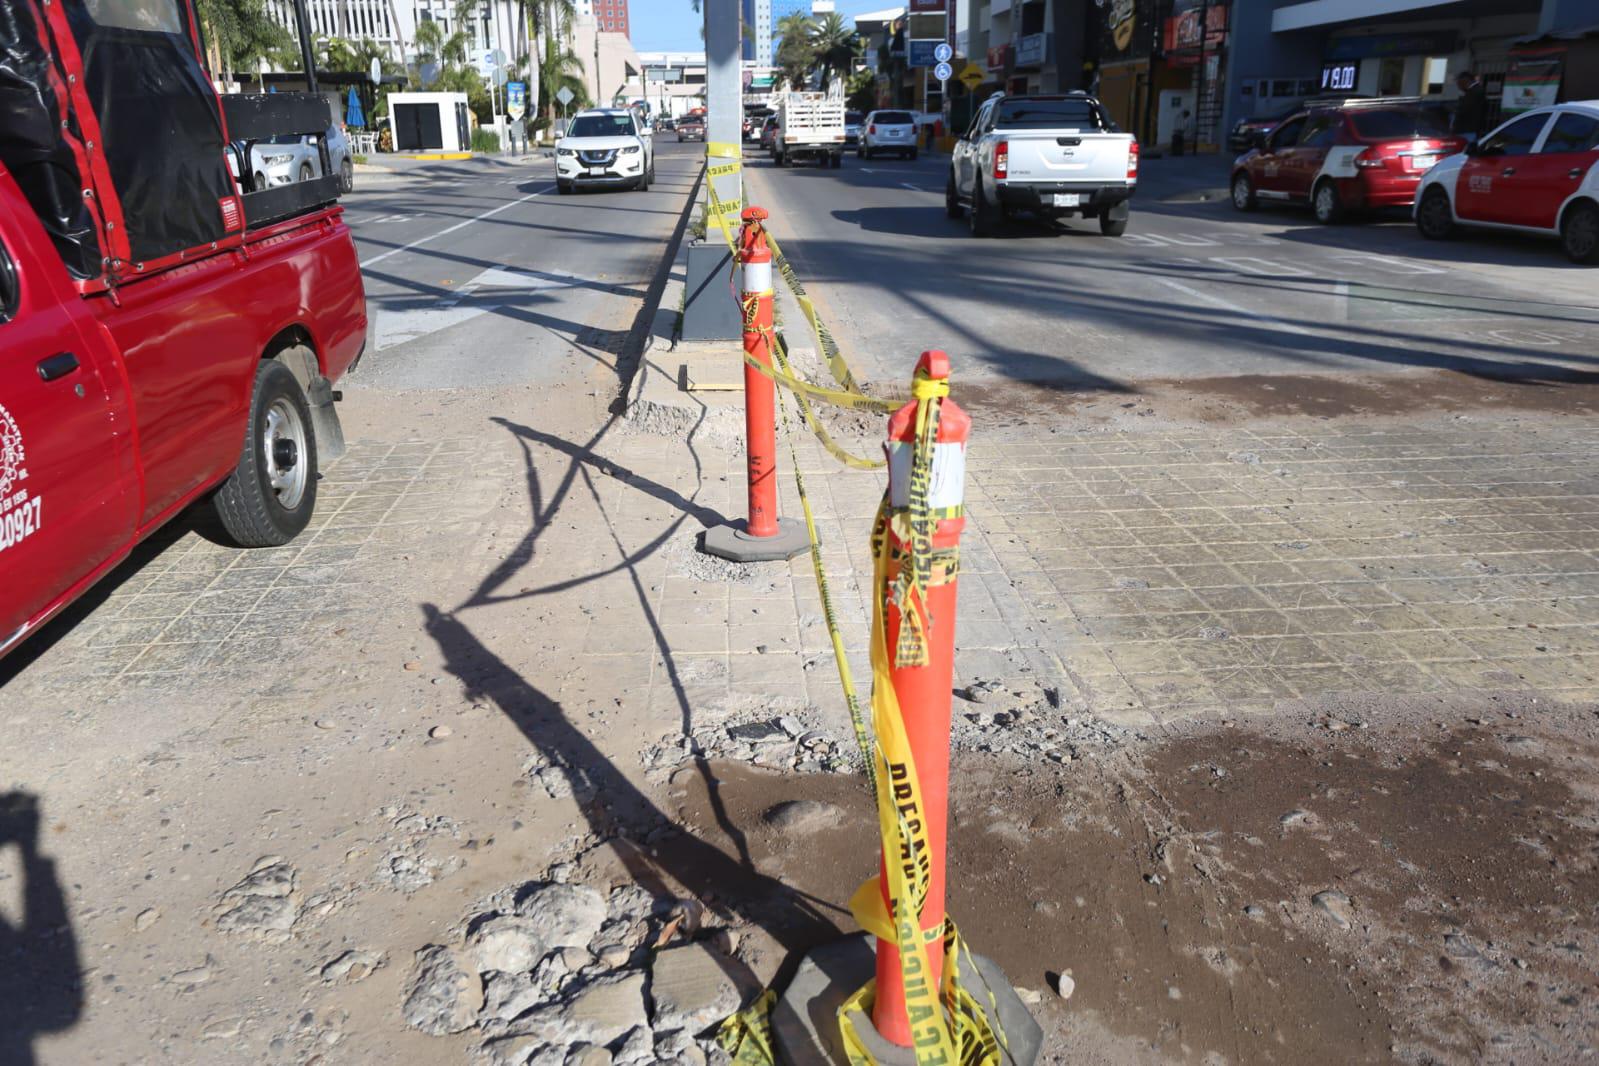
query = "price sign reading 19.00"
{"x": 1339, "y": 77}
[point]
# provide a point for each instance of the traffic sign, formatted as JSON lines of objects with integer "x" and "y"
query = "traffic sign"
{"x": 971, "y": 75}
{"x": 943, "y": 53}
{"x": 943, "y": 72}
{"x": 565, "y": 96}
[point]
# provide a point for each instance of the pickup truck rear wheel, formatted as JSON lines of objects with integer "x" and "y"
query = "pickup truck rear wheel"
{"x": 269, "y": 497}
{"x": 1112, "y": 227}
{"x": 981, "y": 217}
{"x": 952, "y": 201}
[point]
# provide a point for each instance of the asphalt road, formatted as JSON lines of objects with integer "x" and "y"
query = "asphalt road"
{"x": 1193, "y": 290}
{"x": 479, "y": 274}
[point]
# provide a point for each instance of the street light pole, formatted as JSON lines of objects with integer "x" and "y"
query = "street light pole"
{"x": 723, "y": 89}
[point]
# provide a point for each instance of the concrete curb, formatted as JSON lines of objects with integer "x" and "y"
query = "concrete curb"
{"x": 655, "y": 402}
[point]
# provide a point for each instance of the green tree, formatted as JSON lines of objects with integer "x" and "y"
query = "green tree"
{"x": 239, "y": 34}
{"x": 835, "y": 48}
{"x": 861, "y": 92}
{"x": 794, "y": 55}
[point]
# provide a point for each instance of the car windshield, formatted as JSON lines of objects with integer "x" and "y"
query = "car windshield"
{"x": 1048, "y": 114}
{"x": 894, "y": 118}
{"x": 1388, "y": 123}
{"x": 601, "y": 126}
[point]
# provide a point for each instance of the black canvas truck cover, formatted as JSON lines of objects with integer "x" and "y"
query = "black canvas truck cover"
{"x": 113, "y": 131}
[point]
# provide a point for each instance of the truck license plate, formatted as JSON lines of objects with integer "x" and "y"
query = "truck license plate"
{"x": 1068, "y": 199}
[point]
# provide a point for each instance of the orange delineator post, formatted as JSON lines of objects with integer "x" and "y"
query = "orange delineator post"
{"x": 760, "y": 394}
{"x": 924, "y": 692}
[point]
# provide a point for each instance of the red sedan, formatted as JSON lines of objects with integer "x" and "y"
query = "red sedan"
{"x": 1349, "y": 157}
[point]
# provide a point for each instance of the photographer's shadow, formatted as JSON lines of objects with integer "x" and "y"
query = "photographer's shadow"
{"x": 41, "y": 986}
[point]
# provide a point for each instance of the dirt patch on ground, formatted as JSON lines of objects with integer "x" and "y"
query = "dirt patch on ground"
{"x": 1228, "y": 400}
{"x": 1334, "y": 895}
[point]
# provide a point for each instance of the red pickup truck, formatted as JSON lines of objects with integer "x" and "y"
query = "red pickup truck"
{"x": 131, "y": 388}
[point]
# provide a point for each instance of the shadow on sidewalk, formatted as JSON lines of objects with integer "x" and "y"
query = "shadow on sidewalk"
{"x": 41, "y": 979}
{"x": 659, "y": 855}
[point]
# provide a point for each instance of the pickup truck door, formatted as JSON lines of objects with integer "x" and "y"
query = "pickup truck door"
{"x": 66, "y": 483}
{"x": 965, "y": 160}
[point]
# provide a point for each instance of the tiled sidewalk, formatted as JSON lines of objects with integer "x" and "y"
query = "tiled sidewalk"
{"x": 1168, "y": 574}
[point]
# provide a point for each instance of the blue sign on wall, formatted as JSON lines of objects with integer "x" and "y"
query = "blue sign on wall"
{"x": 921, "y": 52}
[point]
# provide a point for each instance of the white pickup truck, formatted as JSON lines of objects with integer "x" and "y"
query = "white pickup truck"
{"x": 1051, "y": 155}
{"x": 809, "y": 124}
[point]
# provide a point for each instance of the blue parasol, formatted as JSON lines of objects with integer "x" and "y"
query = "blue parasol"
{"x": 352, "y": 112}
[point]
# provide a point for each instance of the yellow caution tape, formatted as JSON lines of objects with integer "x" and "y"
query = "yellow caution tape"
{"x": 724, "y": 150}
{"x": 747, "y": 1035}
{"x": 949, "y": 1026}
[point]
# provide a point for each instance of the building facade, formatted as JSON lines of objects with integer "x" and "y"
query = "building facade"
{"x": 498, "y": 25}
{"x": 1200, "y": 66}
{"x": 670, "y": 84}
{"x": 611, "y": 15}
{"x": 756, "y": 16}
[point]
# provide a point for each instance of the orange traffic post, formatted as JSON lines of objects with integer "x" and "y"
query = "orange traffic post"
{"x": 765, "y": 536}
{"x": 924, "y": 691}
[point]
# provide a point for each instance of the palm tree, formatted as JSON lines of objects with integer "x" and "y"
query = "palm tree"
{"x": 835, "y": 47}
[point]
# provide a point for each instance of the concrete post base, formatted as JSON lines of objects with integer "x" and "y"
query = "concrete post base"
{"x": 805, "y": 1020}
{"x": 732, "y": 543}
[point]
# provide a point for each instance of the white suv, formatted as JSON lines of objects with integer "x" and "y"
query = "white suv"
{"x": 888, "y": 131}
{"x": 604, "y": 147}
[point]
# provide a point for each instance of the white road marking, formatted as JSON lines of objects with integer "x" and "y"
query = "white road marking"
{"x": 1266, "y": 268}
{"x": 1228, "y": 305}
{"x": 476, "y": 297}
{"x": 1388, "y": 264}
{"x": 458, "y": 226}
{"x": 917, "y": 188}
{"x": 1190, "y": 239}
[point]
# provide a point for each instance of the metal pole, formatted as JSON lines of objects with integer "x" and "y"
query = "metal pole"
{"x": 723, "y": 89}
{"x": 302, "y": 22}
{"x": 1199, "y": 97}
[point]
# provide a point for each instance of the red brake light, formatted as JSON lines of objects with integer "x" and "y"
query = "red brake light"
{"x": 1368, "y": 158}
{"x": 1001, "y": 160}
{"x": 1132, "y": 160}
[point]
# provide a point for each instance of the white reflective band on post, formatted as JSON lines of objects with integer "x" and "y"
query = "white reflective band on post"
{"x": 948, "y": 488}
{"x": 758, "y": 277}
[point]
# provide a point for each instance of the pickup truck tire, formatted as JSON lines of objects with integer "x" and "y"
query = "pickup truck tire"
{"x": 952, "y": 200}
{"x": 1244, "y": 198}
{"x": 836, "y": 160}
{"x": 269, "y": 497}
{"x": 1112, "y": 227}
{"x": 981, "y": 217}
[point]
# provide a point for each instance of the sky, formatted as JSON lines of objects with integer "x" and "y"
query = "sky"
{"x": 672, "y": 25}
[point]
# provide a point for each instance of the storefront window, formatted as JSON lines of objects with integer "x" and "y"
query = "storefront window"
{"x": 1391, "y": 77}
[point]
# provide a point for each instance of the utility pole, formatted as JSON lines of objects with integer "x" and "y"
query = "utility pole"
{"x": 723, "y": 93}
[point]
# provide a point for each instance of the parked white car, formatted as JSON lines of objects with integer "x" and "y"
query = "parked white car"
{"x": 290, "y": 158}
{"x": 888, "y": 131}
{"x": 284, "y": 160}
{"x": 604, "y": 148}
{"x": 1051, "y": 156}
